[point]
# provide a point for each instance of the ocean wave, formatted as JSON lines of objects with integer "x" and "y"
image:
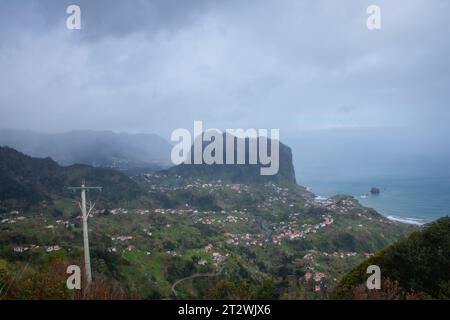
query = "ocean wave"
{"x": 407, "y": 220}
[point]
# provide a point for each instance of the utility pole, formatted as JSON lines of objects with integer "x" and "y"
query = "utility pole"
{"x": 85, "y": 214}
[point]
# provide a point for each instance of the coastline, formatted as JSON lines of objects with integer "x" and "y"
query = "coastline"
{"x": 406, "y": 220}
{"x": 414, "y": 201}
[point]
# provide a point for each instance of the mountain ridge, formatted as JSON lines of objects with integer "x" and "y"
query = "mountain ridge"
{"x": 122, "y": 151}
{"x": 30, "y": 180}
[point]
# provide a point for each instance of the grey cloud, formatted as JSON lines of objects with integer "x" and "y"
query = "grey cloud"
{"x": 152, "y": 66}
{"x": 345, "y": 109}
{"x": 103, "y": 18}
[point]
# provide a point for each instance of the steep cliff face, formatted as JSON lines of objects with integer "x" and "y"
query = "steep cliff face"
{"x": 239, "y": 173}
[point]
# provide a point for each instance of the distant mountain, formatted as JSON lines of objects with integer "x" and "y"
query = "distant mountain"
{"x": 238, "y": 173}
{"x": 416, "y": 267}
{"x": 121, "y": 151}
{"x": 27, "y": 180}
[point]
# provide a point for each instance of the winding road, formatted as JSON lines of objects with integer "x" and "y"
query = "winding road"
{"x": 195, "y": 275}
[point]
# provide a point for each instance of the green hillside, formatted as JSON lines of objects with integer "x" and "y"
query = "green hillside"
{"x": 26, "y": 181}
{"x": 415, "y": 267}
{"x": 163, "y": 235}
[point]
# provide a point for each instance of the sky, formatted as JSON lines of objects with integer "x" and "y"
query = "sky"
{"x": 155, "y": 66}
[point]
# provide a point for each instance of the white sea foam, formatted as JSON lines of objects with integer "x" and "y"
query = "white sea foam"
{"x": 414, "y": 221}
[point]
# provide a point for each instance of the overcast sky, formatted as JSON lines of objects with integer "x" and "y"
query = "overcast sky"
{"x": 154, "y": 66}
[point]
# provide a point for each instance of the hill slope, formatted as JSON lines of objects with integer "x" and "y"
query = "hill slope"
{"x": 28, "y": 180}
{"x": 418, "y": 266}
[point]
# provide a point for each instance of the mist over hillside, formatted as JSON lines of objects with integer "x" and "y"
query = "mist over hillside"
{"x": 121, "y": 151}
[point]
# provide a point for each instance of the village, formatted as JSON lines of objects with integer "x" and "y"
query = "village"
{"x": 279, "y": 218}
{"x": 290, "y": 230}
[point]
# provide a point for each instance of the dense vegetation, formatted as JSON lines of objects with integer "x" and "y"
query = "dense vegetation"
{"x": 415, "y": 267}
{"x": 30, "y": 180}
{"x": 163, "y": 235}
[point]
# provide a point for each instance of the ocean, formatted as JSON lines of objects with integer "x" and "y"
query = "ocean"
{"x": 415, "y": 200}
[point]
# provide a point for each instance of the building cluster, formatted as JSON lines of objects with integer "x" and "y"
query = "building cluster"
{"x": 293, "y": 231}
{"x": 156, "y": 182}
{"x": 312, "y": 254}
{"x": 333, "y": 204}
{"x": 7, "y": 220}
{"x": 278, "y": 196}
{"x": 122, "y": 238}
{"x": 246, "y": 239}
{"x": 220, "y": 217}
{"x": 22, "y": 249}
{"x": 318, "y": 278}
{"x": 118, "y": 211}
{"x": 341, "y": 255}
{"x": 65, "y": 223}
{"x": 14, "y": 217}
{"x": 174, "y": 211}
{"x": 217, "y": 257}
{"x": 52, "y": 248}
